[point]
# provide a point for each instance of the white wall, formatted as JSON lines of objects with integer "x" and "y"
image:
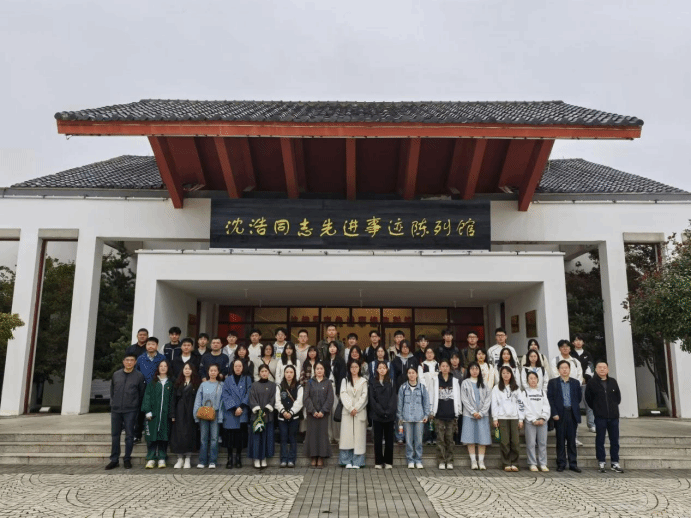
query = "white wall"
{"x": 530, "y": 299}
{"x": 172, "y": 307}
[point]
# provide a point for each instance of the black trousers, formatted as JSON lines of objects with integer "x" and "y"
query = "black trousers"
{"x": 118, "y": 422}
{"x": 566, "y": 432}
{"x": 386, "y": 429}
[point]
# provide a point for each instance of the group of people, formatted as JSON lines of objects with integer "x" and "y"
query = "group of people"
{"x": 183, "y": 396}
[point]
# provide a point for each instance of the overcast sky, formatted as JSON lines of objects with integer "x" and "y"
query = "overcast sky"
{"x": 631, "y": 58}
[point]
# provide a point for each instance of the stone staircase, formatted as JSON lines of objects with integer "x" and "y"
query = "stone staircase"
{"x": 637, "y": 451}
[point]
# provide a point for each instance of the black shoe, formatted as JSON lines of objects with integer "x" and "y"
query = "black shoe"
{"x": 575, "y": 469}
{"x": 561, "y": 469}
{"x": 127, "y": 464}
{"x": 229, "y": 463}
{"x": 112, "y": 465}
{"x": 238, "y": 463}
{"x": 616, "y": 468}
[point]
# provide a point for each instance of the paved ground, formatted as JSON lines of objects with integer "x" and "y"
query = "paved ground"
{"x": 73, "y": 491}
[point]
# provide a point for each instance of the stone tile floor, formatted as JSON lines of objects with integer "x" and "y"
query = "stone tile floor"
{"x": 89, "y": 491}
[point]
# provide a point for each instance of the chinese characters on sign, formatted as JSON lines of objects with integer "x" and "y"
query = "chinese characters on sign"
{"x": 339, "y": 224}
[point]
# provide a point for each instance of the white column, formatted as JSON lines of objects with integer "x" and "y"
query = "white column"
{"x": 556, "y": 314}
{"x": 680, "y": 361}
{"x": 618, "y": 333}
{"x": 24, "y": 304}
{"x": 206, "y": 318}
{"x": 80, "y": 345}
{"x": 145, "y": 301}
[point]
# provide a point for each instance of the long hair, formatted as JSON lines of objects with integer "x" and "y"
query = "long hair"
{"x": 349, "y": 375}
{"x": 479, "y": 381}
{"x": 169, "y": 373}
{"x": 387, "y": 378}
{"x": 307, "y": 354}
{"x": 264, "y": 349}
{"x": 538, "y": 359}
{"x": 338, "y": 350}
{"x": 195, "y": 381}
{"x": 500, "y": 361}
{"x": 360, "y": 358}
{"x": 285, "y": 358}
{"x": 512, "y": 382}
{"x": 294, "y": 383}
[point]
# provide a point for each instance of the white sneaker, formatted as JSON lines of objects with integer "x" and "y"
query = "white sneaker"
{"x": 592, "y": 429}
{"x": 544, "y": 468}
{"x": 533, "y": 468}
{"x": 187, "y": 463}
{"x": 411, "y": 466}
{"x": 263, "y": 463}
{"x": 150, "y": 464}
{"x": 378, "y": 467}
{"x": 257, "y": 464}
{"x": 355, "y": 467}
{"x": 200, "y": 465}
{"x": 387, "y": 466}
{"x": 212, "y": 465}
{"x": 349, "y": 466}
{"x": 162, "y": 464}
{"x": 441, "y": 466}
{"x": 419, "y": 465}
{"x": 450, "y": 466}
{"x": 178, "y": 464}
{"x": 578, "y": 443}
{"x": 481, "y": 465}
{"x": 474, "y": 465}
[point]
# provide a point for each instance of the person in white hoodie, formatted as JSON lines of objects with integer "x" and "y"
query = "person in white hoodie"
{"x": 534, "y": 364}
{"x": 446, "y": 408}
{"x": 536, "y": 415}
{"x": 508, "y": 414}
{"x": 427, "y": 373}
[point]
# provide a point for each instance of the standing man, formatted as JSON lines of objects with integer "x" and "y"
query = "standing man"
{"x": 323, "y": 345}
{"x": 565, "y": 348}
{"x": 603, "y": 396}
{"x": 174, "y": 338}
{"x": 215, "y": 357}
{"x": 374, "y": 343}
{"x": 447, "y": 348}
{"x": 127, "y": 391}
{"x": 254, "y": 351}
{"x": 141, "y": 345}
{"x": 468, "y": 354}
{"x": 584, "y": 358}
{"x": 501, "y": 342}
{"x": 229, "y": 349}
{"x": 564, "y": 395}
{"x": 395, "y": 348}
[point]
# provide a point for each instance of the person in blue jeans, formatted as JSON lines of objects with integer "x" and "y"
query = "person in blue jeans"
{"x": 289, "y": 406}
{"x": 209, "y": 394}
{"x": 413, "y": 409}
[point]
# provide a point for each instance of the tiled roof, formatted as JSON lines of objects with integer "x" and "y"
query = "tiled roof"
{"x": 524, "y": 112}
{"x": 124, "y": 172}
{"x": 581, "y": 176}
{"x": 560, "y": 176}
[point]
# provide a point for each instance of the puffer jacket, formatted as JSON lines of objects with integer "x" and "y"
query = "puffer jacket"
{"x": 413, "y": 404}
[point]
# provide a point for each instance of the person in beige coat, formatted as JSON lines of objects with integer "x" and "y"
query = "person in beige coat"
{"x": 354, "y": 418}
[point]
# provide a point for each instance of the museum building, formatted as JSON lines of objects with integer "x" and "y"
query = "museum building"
{"x": 412, "y": 216}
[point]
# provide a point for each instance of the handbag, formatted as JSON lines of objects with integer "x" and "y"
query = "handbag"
{"x": 338, "y": 411}
{"x": 207, "y": 412}
{"x": 259, "y": 424}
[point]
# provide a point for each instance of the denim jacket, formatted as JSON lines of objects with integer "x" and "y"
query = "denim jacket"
{"x": 413, "y": 404}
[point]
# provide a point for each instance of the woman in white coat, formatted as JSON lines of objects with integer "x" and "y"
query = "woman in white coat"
{"x": 354, "y": 418}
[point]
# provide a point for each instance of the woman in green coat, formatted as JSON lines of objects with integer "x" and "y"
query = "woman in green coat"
{"x": 156, "y": 407}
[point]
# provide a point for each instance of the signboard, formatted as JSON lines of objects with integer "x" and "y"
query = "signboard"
{"x": 344, "y": 224}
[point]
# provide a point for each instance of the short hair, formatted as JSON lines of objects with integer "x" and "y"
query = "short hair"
{"x": 256, "y": 330}
{"x": 303, "y": 330}
{"x": 578, "y": 336}
{"x": 421, "y": 337}
{"x": 563, "y": 361}
{"x": 501, "y": 329}
{"x": 232, "y": 333}
{"x": 143, "y": 330}
{"x": 448, "y": 331}
{"x": 455, "y": 354}
{"x": 262, "y": 367}
{"x": 430, "y": 348}
{"x": 380, "y": 347}
{"x": 216, "y": 339}
{"x": 330, "y": 325}
{"x": 281, "y": 329}
{"x": 130, "y": 355}
{"x": 531, "y": 373}
{"x": 188, "y": 340}
{"x": 375, "y": 332}
{"x": 352, "y": 336}
{"x": 203, "y": 335}
{"x": 152, "y": 339}
{"x": 446, "y": 361}
{"x": 238, "y": 359}
{"x": 599, "y": 361}
{"x": 174, "y": 329}
{"x": 563, "y": 342}
{"x": 472, "y": 332}
{"x": 399, "y": 332}
{"x": 533, "y": 341}
{"x": 403, "y": 343}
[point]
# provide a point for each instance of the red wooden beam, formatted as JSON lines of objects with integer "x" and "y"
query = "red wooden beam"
{"x": 350, "y": 169}
{"x": 164, "y": 161}
{"x": 474, "y": 171}
{"x": 534, "y": 172}
{"x": 411, "y": 169}
{"x": 515, "y": 155}
{"x": 234, "y": 185}
{"x": 289, "y": 157}
{"x": 186, "y": 156}
{"x": 456, "y": 167}
{"x": 300, "y": 164}
{"x": 242, "y": 145}
{"x": 274, "y": 129}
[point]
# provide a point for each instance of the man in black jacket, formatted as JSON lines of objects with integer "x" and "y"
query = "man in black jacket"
{"x": 127, "y": 391}
{"x": 603, "y": 396}
{"x": 564, "y": 395}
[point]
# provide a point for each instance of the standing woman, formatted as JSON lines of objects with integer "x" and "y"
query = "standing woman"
{"x": 382, "y": 403}
{"x": 533, "y": 364}
{"x": 262, "y": 399}
{"x": 488, "y": 372}
{"x": 507, "y": 359}
{"x": 446, "y": 407}
{"x": 268, "y": 359}
{"x": 156, "y": 408}
{"x": 242, "y": 353}
{"x": 508, "y": 415}
{"x": 458, "y": 373}
{"x": 308, "y": 368}
{"x": 336, "y": 372}
{"x": 475, "y": 399}
{"x": 209, "y": 394}
{"x": 536, "y": 415}
{"x": 236, "y": 404}
{"x": 357, "y": 355}
{"x": 380, "y": 354}
{"x": 289, "y": 405}
{"x": 413, "y": 409}
{"x": 183, "y": 427}
{"x": 288, "y": 358}
{"x": 318, "y": 400}
{"x": 427, "y": 373}
{"x": 354, "y": 418}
